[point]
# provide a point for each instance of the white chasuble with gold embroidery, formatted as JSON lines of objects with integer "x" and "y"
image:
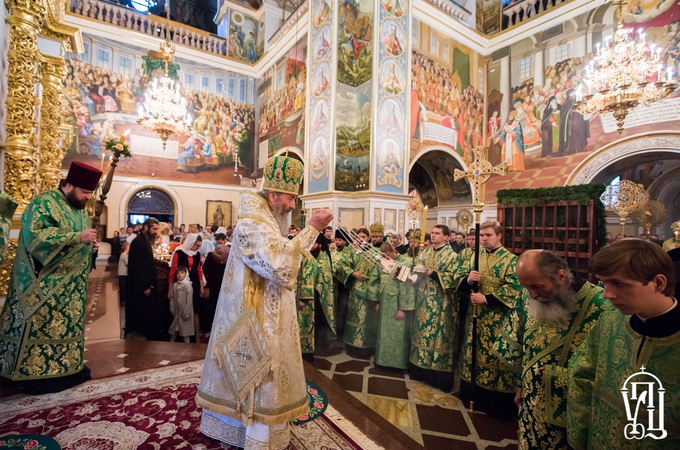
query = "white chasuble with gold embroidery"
{"x": 261, "y": 274}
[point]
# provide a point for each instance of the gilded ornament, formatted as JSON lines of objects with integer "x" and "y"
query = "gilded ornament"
{"x": 6, "y": 266}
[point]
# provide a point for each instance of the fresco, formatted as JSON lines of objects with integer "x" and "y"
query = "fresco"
{"x": 445, "y": 108}
{"x": 554, "y": 137}
{"x": 355, "y": 28}
{"x": 353, "y": 138}
{"x": 488, "y": 16}
{"x": 282, "y": 103}
{"x": 321, "y": 81}
{"x": 246, "y": 38}
{"x": 390, "y": 135}
{"x": 101, "y": 104}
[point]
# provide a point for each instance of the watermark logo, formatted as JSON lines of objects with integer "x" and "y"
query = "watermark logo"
{"x": 643, "y": 394}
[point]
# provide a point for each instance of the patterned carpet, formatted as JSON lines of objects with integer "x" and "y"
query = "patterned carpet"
{"x": 152, "y": 409}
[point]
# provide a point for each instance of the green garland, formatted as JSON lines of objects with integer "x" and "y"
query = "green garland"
{"x": 581, "y": 193}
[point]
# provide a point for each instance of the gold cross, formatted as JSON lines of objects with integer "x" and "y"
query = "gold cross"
{"x": 478, "y": 174}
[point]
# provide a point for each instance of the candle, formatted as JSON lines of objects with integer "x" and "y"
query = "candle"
{"x": 423, "y": 226}
{"x": 122, "y": 138}
{"x": 101, "y": 165}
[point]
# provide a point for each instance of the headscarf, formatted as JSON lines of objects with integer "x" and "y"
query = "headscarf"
{"x": 189, "y": 242}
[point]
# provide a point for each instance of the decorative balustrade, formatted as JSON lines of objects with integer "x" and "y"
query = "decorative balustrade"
{"x": 518, "y": 11}
{"x": 151, "y": 25}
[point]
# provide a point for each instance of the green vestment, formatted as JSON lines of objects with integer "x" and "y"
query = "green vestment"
{"x": 528, "y": 346}
{"x": 394, "y": 340}
{"x": 498, "y": 278}
{"x": 41, "y": 326}
{"x": 7, "y": 208}
{"x": 314, "y": 277}
{"x": 362, "y": 318}
{"x": 596, "y": 411}
{"x": 325, "y": 288}
{"x": 434, "y": 318}
{"x": 305, "y": 293}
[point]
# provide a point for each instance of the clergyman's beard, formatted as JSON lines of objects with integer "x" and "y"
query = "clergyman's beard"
{"x": 556, "y": 310}
{"x": 283, "y": 220}
{"x": 412, "y": 251}
{"x": 74, "y": 202}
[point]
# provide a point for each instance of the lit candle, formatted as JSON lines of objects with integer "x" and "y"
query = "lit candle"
{"x": 101, "y": 165}
{"x": 423, "y": 226}
{"x": 122, "y": 138}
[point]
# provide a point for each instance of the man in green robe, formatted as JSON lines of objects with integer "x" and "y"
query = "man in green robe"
{"x": 396, "y": 301}
{"x": 7, "y": 208}
{"x": 42, "y": 324}
{"x": 315, "y": 290}
{"x": 615, "y": 379}
{"x": 494, "y": 389}
{"x": 341, "y": 259}
{"x": 547, "y": 324}
{"x": 362, "y": 319}
{"x": 433, "y": 323}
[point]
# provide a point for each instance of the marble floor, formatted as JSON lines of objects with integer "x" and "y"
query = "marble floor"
{"x": 410, "y": 414}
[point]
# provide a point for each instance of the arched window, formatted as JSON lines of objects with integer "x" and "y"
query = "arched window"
{"x": 150, "y": 202}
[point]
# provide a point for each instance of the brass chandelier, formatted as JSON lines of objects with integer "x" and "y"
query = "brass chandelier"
{"x": 623, "y": 74}
{"x": 165, "y": 108}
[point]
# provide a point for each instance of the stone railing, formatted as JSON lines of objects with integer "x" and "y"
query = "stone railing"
{"x": 149, "y": 24}
{"x": 520, "y": 11}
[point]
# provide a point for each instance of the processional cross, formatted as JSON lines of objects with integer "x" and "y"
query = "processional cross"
{"x": 243, "y": 353}
{"x": 478, "y": 174}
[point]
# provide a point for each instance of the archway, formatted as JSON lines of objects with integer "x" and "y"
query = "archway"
{"x": 431, "y": 175}
{"x": 150, "y": 202}
{"x": 652, "y": 160}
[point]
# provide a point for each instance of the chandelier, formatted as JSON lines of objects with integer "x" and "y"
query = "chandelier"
{"x": 624, "y": 73}
{"x": 165, "y": 109}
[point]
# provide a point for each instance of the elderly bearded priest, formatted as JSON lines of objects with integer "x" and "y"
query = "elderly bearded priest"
{"x": 260, "y": 280}
{"x": 550, "y": 319}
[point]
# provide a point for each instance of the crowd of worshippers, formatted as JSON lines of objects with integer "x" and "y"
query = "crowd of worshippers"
{"x": 197, "y": 259}
{"x": 548, "y": 344}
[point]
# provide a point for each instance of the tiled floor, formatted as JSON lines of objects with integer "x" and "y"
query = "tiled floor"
{"x": 429, "y": 417}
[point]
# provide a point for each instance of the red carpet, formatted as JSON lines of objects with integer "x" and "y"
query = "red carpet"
{"x": 153, "y": 409}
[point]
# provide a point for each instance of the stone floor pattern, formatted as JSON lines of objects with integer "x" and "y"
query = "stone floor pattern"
{"x": 430, "y": 417}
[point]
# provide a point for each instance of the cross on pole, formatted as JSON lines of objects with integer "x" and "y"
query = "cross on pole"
{"x": 478, "y": 174}
{"x": 243, "y": 354}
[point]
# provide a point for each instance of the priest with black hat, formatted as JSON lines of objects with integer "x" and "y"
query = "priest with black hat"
{"x": 42, "y": 323}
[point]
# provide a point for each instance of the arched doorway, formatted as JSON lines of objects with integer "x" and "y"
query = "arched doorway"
{"x": 431, "y": 176}
{"x": 652, "y": 160}
{"x": 150, "y": 202}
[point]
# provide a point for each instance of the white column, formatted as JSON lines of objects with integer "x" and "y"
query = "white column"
{"x": 505, "y": 87}
{"x": 539, "y": 69}
{"x": 579, "y": 44}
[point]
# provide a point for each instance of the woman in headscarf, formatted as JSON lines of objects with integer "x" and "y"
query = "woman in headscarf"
{"x": 187, "y": 255}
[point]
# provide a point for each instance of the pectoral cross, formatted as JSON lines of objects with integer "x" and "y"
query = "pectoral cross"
{"x": 478, "y": 174}
{"x": 243, "y": 354}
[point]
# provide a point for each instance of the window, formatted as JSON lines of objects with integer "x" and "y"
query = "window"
{"x": 141, "y": 5}
{"x": 205, "y": 83}
{"x": 415, "y": 31}
{"x": 125, "y": 65}
{"x": 616, "y": 181}
{"x": 189, "y": 80}
{"x": 103, "y": 58}
{"x": 524, "y": 68}
{"x": 230, "y": 92}
{"x": 434, "y": 45}
{"x": 219, "y": 86}
{"x": 446, "y": 53}
{"x": 242, "y": 91}
{"x": 561, "y": 52}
